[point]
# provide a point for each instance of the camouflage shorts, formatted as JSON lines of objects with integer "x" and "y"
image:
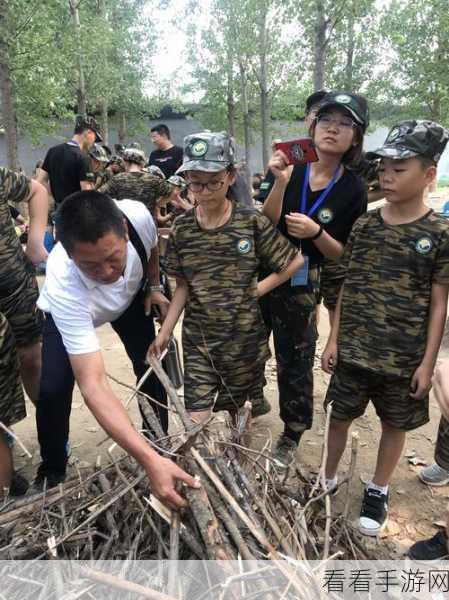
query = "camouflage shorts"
{"x": 442, "y": 446}
{"x": 219, "y": 385}
{"x": 351, "y": 388}
{"x": 12, "y": 400}
{"x": 22, "y": 313}
{"x": 331, "y": 279}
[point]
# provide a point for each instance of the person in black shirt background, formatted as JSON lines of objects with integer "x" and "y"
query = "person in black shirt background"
{"x": 315, "y": 207}
{"x": 66, "y": 166}
{"x": 167, "y": 156}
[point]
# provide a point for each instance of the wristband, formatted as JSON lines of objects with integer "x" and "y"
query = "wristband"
{"x": 317, "y": 235}
{"x": 156, "y": 288}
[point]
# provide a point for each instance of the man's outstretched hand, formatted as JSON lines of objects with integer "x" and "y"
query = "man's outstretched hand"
{"x": 164, "y": 474}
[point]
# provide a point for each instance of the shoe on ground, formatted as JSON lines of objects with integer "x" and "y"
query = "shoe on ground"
{"x": 19, "y": 485}
{"x": 262, "y": 408}
{"x": 434, "y": 475}
{"x": 431, "y": 550}
{"x": 285, "y": 451}
{"x": 47, "y": 480}
{"x": 374, "y": 513}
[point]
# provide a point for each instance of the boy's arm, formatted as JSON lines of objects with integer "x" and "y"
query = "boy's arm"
{"x": 174, "y": 312}
{"x": 421, "y": 380}
{"x": 330, "y": 354}
{"x": 276, "y": 279}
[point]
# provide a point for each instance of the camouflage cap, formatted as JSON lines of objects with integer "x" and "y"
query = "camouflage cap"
{"x": 177, "y": 181}
{"x": 155, "y": 170}
{"x": 134, "y": 154}
{"x": 208, "y": 151}
{"x": 355, "y": 104}
{"x": 97, "y": 152}
{"x": 89, "y": 122}
{"x": 413, "y": 138}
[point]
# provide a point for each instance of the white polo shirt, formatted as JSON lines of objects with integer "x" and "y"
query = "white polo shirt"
{"x": 77, "y": 304}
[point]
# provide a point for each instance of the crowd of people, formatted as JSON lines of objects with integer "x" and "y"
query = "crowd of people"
{"x": 242, "y": 272}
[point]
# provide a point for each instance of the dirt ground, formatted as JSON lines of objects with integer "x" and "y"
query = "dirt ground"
{"x": 414, "y": 507}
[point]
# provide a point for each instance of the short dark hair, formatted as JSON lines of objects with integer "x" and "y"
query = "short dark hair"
{"x": 86, "y": 217}
{"x": 161, "y": 130}
{"x": 425, "y": 161}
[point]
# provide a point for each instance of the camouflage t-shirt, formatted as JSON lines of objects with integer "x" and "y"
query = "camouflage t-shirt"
{"x": 221, "y": 266}
{"x": 14, "y": 266}
{"x": 137, "y": 185}
{"x": 387, "y": 291}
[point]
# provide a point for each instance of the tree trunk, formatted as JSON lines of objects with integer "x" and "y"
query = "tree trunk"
{"x": 349, "y": 67}
{"x": 105, "y": 121}
{"x": 9, "y": 117}
{"x": 122, "y": 128}
{"x": 81, "y": 91}
{"x": 230, "y": 102}
{"x": 319, "y": 46}
{"x": 246, "y": 118}
{"x": 264, "y": 104}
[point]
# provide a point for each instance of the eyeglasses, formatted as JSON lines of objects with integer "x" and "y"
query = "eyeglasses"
{"x": 212, "y": 186}
{"x": 340, "y": 122}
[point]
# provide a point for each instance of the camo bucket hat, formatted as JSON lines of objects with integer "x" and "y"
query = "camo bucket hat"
{"x": 207, "y": 151}
{"x": 413, "y": 138}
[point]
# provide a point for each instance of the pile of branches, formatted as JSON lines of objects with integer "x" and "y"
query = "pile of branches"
{"x": 247, "y": 508}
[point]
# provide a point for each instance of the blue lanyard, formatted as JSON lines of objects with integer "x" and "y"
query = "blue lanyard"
{"x": 321, "y": 198}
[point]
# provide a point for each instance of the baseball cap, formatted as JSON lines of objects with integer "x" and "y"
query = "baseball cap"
{"x": 208, "y": 151}
{"x": 355, "y": 104}
{"x": 98, "y": 152}
{"x": 134, "y": 154}
{"x": 177, "y": 181}
{"x": 315, "y": 99}
{"x": 89, "y": 122}
{"x": 413, "y": 138}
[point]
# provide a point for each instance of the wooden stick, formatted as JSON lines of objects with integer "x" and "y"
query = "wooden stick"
{"x": 352, "y": 464}
{"x": 122, "y": 584}
{"x": 15, "y": 438}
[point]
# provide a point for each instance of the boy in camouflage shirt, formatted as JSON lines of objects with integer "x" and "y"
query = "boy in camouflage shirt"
{"x": 391, "y": 311}
{"x": 215, "y": 251}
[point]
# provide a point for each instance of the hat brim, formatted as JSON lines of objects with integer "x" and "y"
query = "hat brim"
{"x": 393, "y": 152}
{"x": 207, "y": 166}
{"x": 345, "y": 107}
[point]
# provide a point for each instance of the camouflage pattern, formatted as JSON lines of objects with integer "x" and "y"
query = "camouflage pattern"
{"x": 134, "y": 155}
{"x": 291, "y": 311}
{"x": 413, "y": 138}
{"x": 101, "y": 178}
{"x": 137, "y": 185}
{"x": 89, "y": 122}
{"x": 387, "y": 290}
{"x": 14, "y": 266}
{"x": 355, "y": 104}
{"x": 177, "y": 181}
{"x": 351, "y": 388}
{"x": 12, "y": 400}
{"x": 224, "y": 339}
{"x": 98, "y": 153}
{"x": 331, "y": 279}
{"x": 208, "y": 152}
{"x": 155, "y": 170}
{"x": 442, "y": 445}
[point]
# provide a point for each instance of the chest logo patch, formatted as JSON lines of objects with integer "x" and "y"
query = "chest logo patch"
{"x": 244, "y": 246}
{"x": 424, "y": 245}
{"x": 325, "y": 215}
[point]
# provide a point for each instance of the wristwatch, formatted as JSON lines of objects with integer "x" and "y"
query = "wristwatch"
{"x": 156, "y": 288}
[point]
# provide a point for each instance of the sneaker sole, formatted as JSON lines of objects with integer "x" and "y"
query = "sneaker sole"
{"x": 433, "y": 483}
{"x": 369, "y": 532}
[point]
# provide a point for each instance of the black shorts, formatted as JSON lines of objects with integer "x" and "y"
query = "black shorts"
{"x": 351, "y": 388}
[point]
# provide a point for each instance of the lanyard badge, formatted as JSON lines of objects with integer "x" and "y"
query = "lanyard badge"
{"x": 301, "y": 277}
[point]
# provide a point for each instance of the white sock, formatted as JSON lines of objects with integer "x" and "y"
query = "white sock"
{"x": 331, "y": 483}
{"x": 383, "y": 489}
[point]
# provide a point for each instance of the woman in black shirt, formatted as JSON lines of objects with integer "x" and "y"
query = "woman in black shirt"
{"x": 315, "y": 207}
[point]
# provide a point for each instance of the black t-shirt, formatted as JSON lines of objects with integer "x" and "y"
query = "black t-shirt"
{"x": 66, "y": 165}
{"x": 168, "y": 161}
{"x": 345, "y": 203}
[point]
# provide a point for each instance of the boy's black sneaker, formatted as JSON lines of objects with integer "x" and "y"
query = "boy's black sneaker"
{"x": 431, "y": 550}
{"x": 47, "y": 480}
{"x": 374, "y": 513}
{"x": 19, "y": 485}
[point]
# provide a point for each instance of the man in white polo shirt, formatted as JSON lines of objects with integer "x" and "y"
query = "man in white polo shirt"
{"x": 95, "y": 275}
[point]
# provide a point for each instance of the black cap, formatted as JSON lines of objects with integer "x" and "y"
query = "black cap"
{"x": 89, "y": 122}
{"x": 355, "y": 104}
{"x": 314, "y": 99}
{"x": 413, "y": 138}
